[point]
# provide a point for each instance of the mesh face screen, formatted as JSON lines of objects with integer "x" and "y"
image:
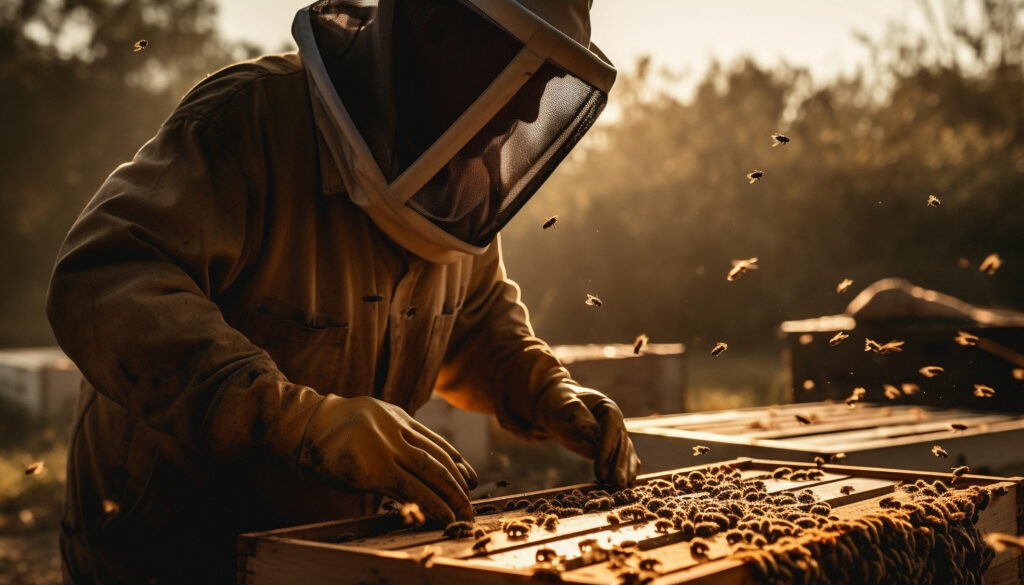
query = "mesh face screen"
{"x": 494, "y": 175}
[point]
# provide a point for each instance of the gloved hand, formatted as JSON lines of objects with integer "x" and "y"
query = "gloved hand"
{"x": 589, "y": 424}
{"x": 369, "y": 445}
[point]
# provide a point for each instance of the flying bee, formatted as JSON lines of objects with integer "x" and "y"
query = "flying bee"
{"x": 931, "y": 371}
{"x": 838, "y": 338}
{"x": 36, "y": 468}
{"x": 843, "y": 286}
{"x": 1018, "y": 373}
{"x": 719, "y": 348}
{"x": 111, "y": 508}
{"x": 779, "y": 140}
{"x": 846, "y": 490}
{"x": 883, "y": 348}
{"x": 699, "y": 450}
{"x": 990, "y": 264}
{"x": 965, "y": 338}
{"x": 641, "y": 341}
{"x": 819, "y": 461}
{"x": 740, "y": 267}
{"x": 549, "y": 222}
{"x": 957, "y": 427}
{"x": 939, "y": 452}
{"x": 592, "y": 300}
{"x": 910, "y": 389}
{"x": 755, "y": 176}
{"x": 983, "y": 391}
{"x": 892, "y": 392}
{"x": 803, "y": 419}
{"x": 934, "y": 201}
{"x": 140, "y": 45}
{"x": 412, "y": 515}
{"x": 808, "y": 385}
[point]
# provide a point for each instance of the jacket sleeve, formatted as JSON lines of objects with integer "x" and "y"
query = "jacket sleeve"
{"x": 495, "y": 363}
{"x": 131, "y": 296}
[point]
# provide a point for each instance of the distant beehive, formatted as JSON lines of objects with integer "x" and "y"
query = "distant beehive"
{"x": 41, "y": 380}
{"x": 928, "y": 322}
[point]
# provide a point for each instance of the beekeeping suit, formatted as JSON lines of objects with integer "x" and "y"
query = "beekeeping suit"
{"x": 303, "y": 253}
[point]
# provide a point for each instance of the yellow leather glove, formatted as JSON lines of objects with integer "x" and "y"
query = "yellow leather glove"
{"x": 589, "y": 424}
{"x": 369, "y": 445}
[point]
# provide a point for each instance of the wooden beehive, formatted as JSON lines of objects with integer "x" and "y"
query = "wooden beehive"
{"x": 378, "y": 550}
{"x": 870, "y": 434}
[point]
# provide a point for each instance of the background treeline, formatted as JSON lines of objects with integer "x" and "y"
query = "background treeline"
{"x": 654, "y": 204}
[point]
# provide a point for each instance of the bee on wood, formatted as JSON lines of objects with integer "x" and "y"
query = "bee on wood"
{"x": 755, "y": 176}
{"x": 960, "y": 471}
{"x": 740, "y": 267}
{"x": 426, "y": 558}
{"x": 965, "y": 338}
{"x": 882, "y": 348}
{"x": 639, "y": 343}
{"x": 35, "y": 468}
{"x": 613, "y": 518}
{"x": 843, "y": 286}
{"x": 458, "y": 529}
{"x": 939, "y": 452}
{"x": 957, "y": 427}
{"x": 815, "y": 474}
{"x": 546, "y": 555}
{"x": 846, "y": 490}
{"x": 662, "y": 526}
{"x": 934, "y": 201}
{"x": 648, "y": 564}
{"x": 479, "y": 533}
{"x": 516, "y": 530}
{"x": 990, "y": 264}
{"x": 983, "y": 391}
{"x": 719, "y": 348}
{"x": 819, "y": 461}
{"x": 699, "y": 548}
{"x": 910, "y": 389}
{"x": 549, "y": 222}
{"x": 851, "y": 401}
{"x": 412, "y": 515}
{"x": 593, "y": 301}
{"x": 931, "y": 371}
{"x": 781, "y": 472}
{"x": 838, "y": 338}
{"x": 111, "y": 508}
{"x": 699, "y": 450}
{"x": 550, "y": 522}
{"x": 481, "y": 544}
{"x": 373, "y": 298}
{"x": 140, "y": 45}
{"x": 889, "y": 502}
{"x": 587, "y": 544}
{"x": 837, "y": 457}
{"x": 803, "y": 419}
{"x": 892, "y": 392}
{"x": 779, "y": 140}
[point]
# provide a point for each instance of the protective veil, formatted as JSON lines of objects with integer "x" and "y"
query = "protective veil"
{"x": 451, "y": 195}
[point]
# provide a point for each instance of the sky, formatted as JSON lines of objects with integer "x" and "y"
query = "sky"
{"x": 683, "y": 35}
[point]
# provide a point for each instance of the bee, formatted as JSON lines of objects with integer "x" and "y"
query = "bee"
{"x": 699, "y": 450}
{"x": 837, "y": 457}
{"x": 838, "y": 338}
{"x": 892, "y": 392}
{"x": 965, "y": 338}
{"x": 648, "y": 564}
{"x": 819, "y": 461}
{"x": 934, "y": 201}
{"x": 426, "y": 558}
{"x": 755, "y": 176}
{"x": 546, "y": 555}
{"x": 593, "y": 301}
{"x": 983, "y": 391}
{"x": 140, "y": 45}
{"x": 481, "y": 544}
{"x": 36, "y": 468}
{"x": 549, "y": 222}
{"x": 458, "y": 529}
{"x": 412, "y": 515}
{"x": 587, "y": 544}
{"x": 719, "y": 348}
{"x": 479, "y": 533}
{"x": 931, "y": 371}
{"x": 957, "y": 427}
{"x": 990, "y": 264}
{"x": 843, "y": 286}
{"x": 882, "y": 348}
{"x": 781, "y": 472}
{"x": 960, "y": 471}
{"x": 1000, "y": 541}
{"x": 502, "y": 483}
{"x": 639, "y": 343}
{"x": 847, "y": 490}
{"x": 740, "y": 267}
{"x": 808, "y": 385}
{"x": 662, "y": 526}
{"x": 613, "y": 518}
{"x": 1017, "y": 373}
{"x": 804, "y": 419}
{"x": 851, "y": 401}
{"x": 910, "y": 389}
{"x": 550, "y": 522}
{"x": 939, "y": 452}
{"x": 516, "y": 530}
{"x": 111, "y": 508}
{"x": 779, "y": 140}
{"x": 373, "y": 298}
{"x": 699, "y": 548}
{"x": 889, "y": 502}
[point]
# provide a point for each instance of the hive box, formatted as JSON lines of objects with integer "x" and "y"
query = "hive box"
{"x": 41, "y": 380}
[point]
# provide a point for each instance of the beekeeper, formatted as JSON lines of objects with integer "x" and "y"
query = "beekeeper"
{"x": 306, "y": 250}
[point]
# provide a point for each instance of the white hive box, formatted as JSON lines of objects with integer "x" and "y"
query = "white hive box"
{"x": 42, "y": 380}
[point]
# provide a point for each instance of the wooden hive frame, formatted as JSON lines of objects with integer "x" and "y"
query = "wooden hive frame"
{"x": 870, "y": 434}
{"x": 380, "y": 550}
